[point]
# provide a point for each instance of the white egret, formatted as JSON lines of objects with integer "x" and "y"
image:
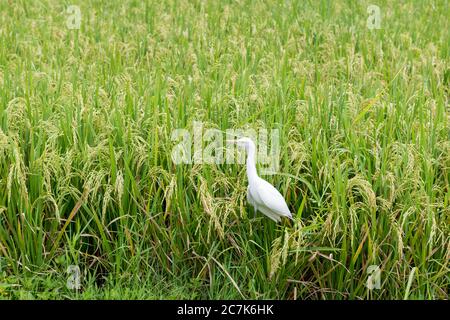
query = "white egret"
{"x": 260, "y": 193}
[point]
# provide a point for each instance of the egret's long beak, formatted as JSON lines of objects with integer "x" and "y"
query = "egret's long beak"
{"x": 231, "y": 141}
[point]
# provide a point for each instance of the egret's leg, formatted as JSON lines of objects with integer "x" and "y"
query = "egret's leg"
{"x": 254, "y": 212}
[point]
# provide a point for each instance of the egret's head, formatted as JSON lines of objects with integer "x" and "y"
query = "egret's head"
{"x": 245, "y": 143}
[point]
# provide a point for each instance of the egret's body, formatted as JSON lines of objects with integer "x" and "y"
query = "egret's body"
{"x": 260, "y": 193}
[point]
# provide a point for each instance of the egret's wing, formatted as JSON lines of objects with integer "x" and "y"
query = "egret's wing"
{"x": 272, "y": 198}
{"x": 269, "y": 213}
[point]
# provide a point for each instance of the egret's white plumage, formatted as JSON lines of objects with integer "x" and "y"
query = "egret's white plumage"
{"x": 260, "y": 193}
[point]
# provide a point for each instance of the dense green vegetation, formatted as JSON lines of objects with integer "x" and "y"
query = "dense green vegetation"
{"x": 87, "y": 179}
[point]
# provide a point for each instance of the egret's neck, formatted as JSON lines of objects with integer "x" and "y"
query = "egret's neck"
{"x": 251, "y": 164}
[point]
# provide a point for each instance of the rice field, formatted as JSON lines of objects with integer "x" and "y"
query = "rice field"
{"x": 92, "y": 205}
